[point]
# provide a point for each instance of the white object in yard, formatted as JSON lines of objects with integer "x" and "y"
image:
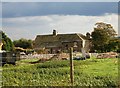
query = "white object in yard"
{"x": 22, "y": 53}
{"x": 83, "y": 52}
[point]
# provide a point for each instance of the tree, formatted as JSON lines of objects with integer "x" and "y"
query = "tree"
{"x": 7, "y": 43}
{"x": 23, "y": 43}
{"x": 101, "y": 36}
{"x": 118, "y": 50}
{"x": 113, "y": 45}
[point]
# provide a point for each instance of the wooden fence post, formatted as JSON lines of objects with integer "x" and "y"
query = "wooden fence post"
{"x": 71, "y": 66}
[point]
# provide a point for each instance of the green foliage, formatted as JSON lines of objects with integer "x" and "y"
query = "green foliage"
{"x": 23, "y": 43}
{"x": 101, "y": 36}
{"x": 113, "y": 45}
{"x": 7, "y": 43}
{"x": 92, "y": 72}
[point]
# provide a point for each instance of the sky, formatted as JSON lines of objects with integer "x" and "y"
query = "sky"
{"x": 28, "y": 19}
{"x": 60, "y": 0}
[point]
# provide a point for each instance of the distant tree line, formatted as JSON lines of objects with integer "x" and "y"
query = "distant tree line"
{"x": 9, "y": 45}
{"x": 23, "y": 43}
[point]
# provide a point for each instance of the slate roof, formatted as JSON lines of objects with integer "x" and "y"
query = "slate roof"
{"x": 42, "y": 41}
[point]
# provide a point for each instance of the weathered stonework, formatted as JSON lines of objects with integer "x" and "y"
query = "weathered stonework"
{"x": 56, "y": 43}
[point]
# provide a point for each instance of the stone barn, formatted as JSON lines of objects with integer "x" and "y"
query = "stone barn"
{"x": 54, "y": 43}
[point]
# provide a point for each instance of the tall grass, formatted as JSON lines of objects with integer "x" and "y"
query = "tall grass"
{"x": 91, "y": 72}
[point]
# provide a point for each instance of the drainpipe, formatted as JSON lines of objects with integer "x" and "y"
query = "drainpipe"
{"x": 83, "y": 49}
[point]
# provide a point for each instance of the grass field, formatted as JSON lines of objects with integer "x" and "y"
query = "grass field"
{"x": 90, "y": 72}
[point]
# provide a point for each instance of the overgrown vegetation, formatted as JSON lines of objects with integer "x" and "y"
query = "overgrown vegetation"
{"x": 23, "y": 43}
{"x": 91, "y": 72}
{"x": 7, "y": 43}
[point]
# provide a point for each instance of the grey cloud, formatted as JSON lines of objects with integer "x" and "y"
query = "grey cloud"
{"x": 21, "y": 9}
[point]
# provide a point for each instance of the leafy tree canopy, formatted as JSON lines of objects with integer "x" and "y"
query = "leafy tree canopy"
{"x": 102, "y": 35}
{"x": 7, "y": 43}
{"x": 23, "y": 43}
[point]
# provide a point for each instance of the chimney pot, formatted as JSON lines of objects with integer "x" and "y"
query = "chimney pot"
{"x": 54, "y": 32}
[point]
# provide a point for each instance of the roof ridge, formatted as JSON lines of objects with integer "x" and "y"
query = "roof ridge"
{"x": 58, "y": 34}
{"x": 81, "y": 36}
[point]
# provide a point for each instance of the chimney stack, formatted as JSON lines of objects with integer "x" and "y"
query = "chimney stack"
{"x": 54, "y": 32}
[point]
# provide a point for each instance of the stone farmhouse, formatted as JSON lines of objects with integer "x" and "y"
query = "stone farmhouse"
{"x": 55, "y": 43}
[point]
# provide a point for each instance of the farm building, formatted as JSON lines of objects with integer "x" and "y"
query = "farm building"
{"x": 54, "y": 43}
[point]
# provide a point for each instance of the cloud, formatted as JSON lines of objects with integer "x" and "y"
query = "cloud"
{"x": 21, "y": 9}
{"x": 29, "y": 27}
{"x": 61, "y": 1}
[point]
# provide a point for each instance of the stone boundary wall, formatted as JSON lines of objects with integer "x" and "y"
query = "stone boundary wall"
{"x": 38, "y": 56}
